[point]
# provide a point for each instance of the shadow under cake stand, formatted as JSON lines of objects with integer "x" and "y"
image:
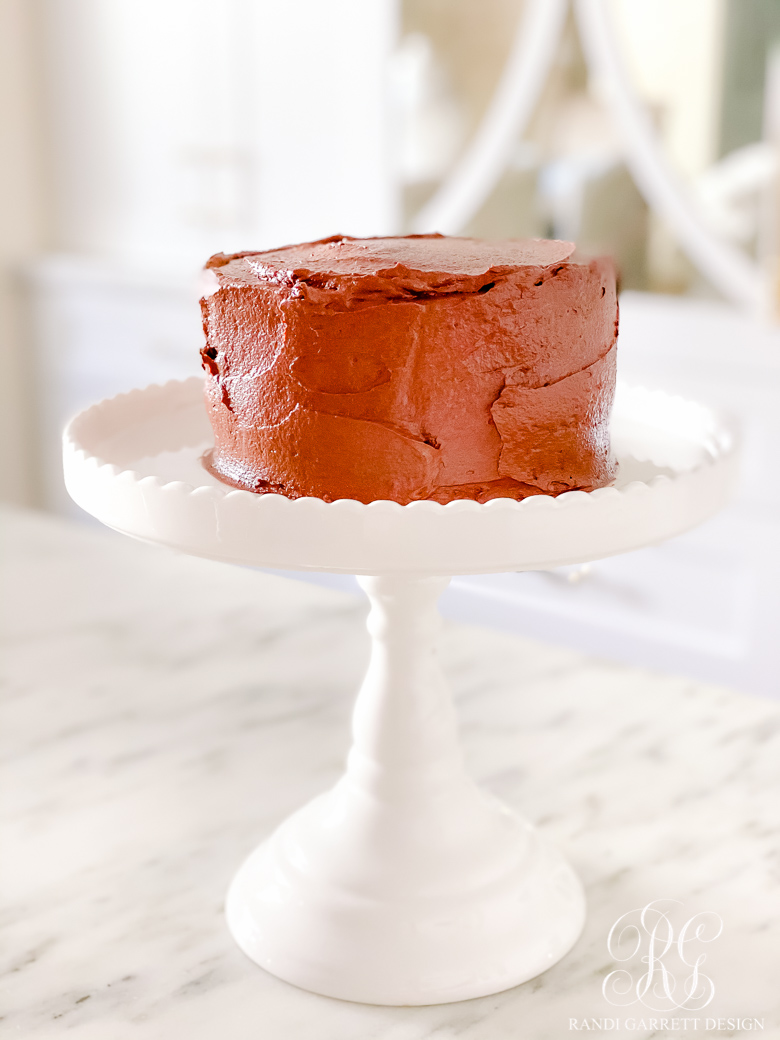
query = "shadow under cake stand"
{"x": 405, "y": 883}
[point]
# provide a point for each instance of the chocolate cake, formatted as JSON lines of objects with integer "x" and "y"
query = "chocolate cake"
{"x": 411, "y": 368}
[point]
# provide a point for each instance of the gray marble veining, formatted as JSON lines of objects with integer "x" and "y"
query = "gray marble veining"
{"x": 161, "y": 714}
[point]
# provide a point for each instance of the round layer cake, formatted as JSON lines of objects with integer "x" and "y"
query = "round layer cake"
{"x": 411, "y": 368}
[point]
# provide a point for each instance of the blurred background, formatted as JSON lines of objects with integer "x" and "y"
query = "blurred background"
{"x": 141, "y": 136}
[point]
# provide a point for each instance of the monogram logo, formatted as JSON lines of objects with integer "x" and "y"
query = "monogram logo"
{"x": 673, "y": 959}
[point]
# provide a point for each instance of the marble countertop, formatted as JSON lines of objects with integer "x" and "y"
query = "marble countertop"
{"x": 162, "y": 714}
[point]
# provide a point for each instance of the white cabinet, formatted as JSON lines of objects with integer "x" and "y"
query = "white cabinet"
{"x": 100, "y": 329}
{"x": 185, "y": 127}
{"x": 706, "y": 604}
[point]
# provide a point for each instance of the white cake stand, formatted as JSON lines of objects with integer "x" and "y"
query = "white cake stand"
{"x": 405, "y": 883}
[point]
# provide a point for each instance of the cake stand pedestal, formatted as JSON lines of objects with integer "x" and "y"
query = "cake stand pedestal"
{"x": 405, "y": 883}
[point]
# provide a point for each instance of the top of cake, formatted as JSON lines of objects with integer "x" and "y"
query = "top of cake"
{"x": 390, "y": 266}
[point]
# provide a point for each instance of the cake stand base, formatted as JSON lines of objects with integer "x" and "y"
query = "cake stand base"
{"x": 405, "y": 884}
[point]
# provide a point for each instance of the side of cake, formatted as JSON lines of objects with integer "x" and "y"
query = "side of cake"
{"x": 411, "y": 368}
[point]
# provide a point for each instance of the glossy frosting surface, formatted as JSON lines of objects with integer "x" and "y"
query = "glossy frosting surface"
{"x": 411, "y": 368}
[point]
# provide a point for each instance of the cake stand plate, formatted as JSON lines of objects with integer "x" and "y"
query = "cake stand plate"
{"x": 405, "y": 883}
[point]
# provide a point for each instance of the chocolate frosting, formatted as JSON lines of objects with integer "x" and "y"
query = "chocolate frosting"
{"x": 411, "y": 368}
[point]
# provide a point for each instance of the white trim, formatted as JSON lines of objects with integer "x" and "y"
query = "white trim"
{"x": 514, "y": 102}
{"x": 734, "y": 274}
